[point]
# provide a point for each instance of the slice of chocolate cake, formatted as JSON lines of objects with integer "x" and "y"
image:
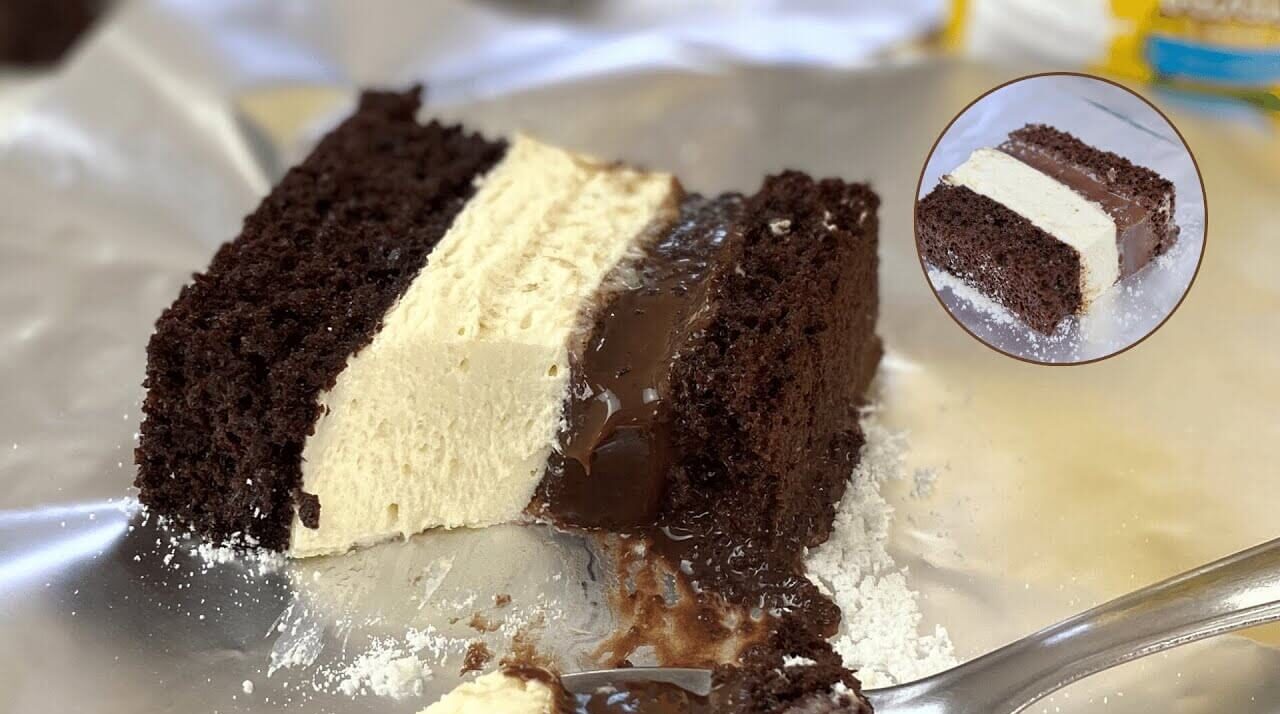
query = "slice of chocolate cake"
{"x": 1044, "y": 224}
{"x": 418, "y": 327}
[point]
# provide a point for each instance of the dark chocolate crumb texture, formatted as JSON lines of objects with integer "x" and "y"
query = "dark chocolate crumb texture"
{"x": 421, "y": 328}
{"x": 237, "y": 363}
{"x": 35, "y": 33}
{"x": 1044, "y": 223}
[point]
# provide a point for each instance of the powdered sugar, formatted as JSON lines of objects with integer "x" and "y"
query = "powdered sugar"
{"x": 991, "y": 310}
{"x": 880, "y": 628}
{"x": 385, "y": 670}
{"x": 248, "y": 554}
{"x": 350, "y": 654}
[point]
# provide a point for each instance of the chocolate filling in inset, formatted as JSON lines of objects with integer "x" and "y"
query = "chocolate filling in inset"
{"x": 1136, "y": 237}
{"x": 1125, "y": 190}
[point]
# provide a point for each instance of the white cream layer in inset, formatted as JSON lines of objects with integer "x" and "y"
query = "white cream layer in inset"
{"x": 1051, "y": 206}
{"x": 496, "y": 693}
{"x": 447, "y": 417}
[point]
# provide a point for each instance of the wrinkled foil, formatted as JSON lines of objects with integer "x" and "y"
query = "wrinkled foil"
{"x": 1057, "y": 487}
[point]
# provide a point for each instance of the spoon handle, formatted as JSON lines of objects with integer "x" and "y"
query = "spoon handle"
{"x": 1236, "y": 592}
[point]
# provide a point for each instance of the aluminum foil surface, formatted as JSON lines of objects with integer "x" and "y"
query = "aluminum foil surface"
{"x": 1057, "y": 487}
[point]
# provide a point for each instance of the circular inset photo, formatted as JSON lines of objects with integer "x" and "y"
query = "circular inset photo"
{"x": 1060, "y": 218}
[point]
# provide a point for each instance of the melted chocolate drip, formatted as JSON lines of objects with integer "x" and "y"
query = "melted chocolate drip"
{"x": 758, "y": 687}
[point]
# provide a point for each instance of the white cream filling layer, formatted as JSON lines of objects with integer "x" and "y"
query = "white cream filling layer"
{"x": 447, "y": 417}
{"x": 1052, "y": 207}
{"x": 496, "y": 693}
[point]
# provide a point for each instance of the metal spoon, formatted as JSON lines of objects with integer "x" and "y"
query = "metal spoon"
{"x": 1242, "y": 590}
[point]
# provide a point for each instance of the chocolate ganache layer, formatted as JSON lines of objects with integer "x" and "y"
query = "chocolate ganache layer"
{"x": 616, "y": 450}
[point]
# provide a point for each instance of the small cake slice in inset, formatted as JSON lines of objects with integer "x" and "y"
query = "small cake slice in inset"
{"x": 1044, "y": 224}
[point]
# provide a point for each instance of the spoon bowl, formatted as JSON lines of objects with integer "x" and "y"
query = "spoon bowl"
{"x": 1236, "y": 592}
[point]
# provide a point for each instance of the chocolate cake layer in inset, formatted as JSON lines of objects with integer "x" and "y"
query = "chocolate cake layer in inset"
{"x": 236, "y": 364}
{"x": 1000, "y": 253}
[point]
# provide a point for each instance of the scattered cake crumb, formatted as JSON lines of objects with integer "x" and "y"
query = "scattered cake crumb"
{"x": 477, "y": 657}
{"x": 480, "y": 623}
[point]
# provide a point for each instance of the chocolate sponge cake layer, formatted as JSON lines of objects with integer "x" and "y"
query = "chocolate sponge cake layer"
{"x": 764, "y": 395}
{"x": 816, "y": 682}
{"x": 1001, "y": 253}
{"x": 34, "y": 33}
{"x": 236, "y": 364}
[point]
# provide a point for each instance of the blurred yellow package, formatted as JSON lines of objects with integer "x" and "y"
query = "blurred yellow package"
{"x": 1226, "y": 47}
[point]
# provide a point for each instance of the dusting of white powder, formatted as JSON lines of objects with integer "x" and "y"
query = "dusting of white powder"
{"x": 879, "y": 634}
{"x": 881, "y": 620}
{"x": 922, "y": 482}
{"x": 992, "y": 310}
{"x": 244, "y": 553}
{"x": 391, "y": 666}
{"x": 385, "y": 670}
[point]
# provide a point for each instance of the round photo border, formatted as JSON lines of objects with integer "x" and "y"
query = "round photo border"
{"x": 915, "y": 218}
